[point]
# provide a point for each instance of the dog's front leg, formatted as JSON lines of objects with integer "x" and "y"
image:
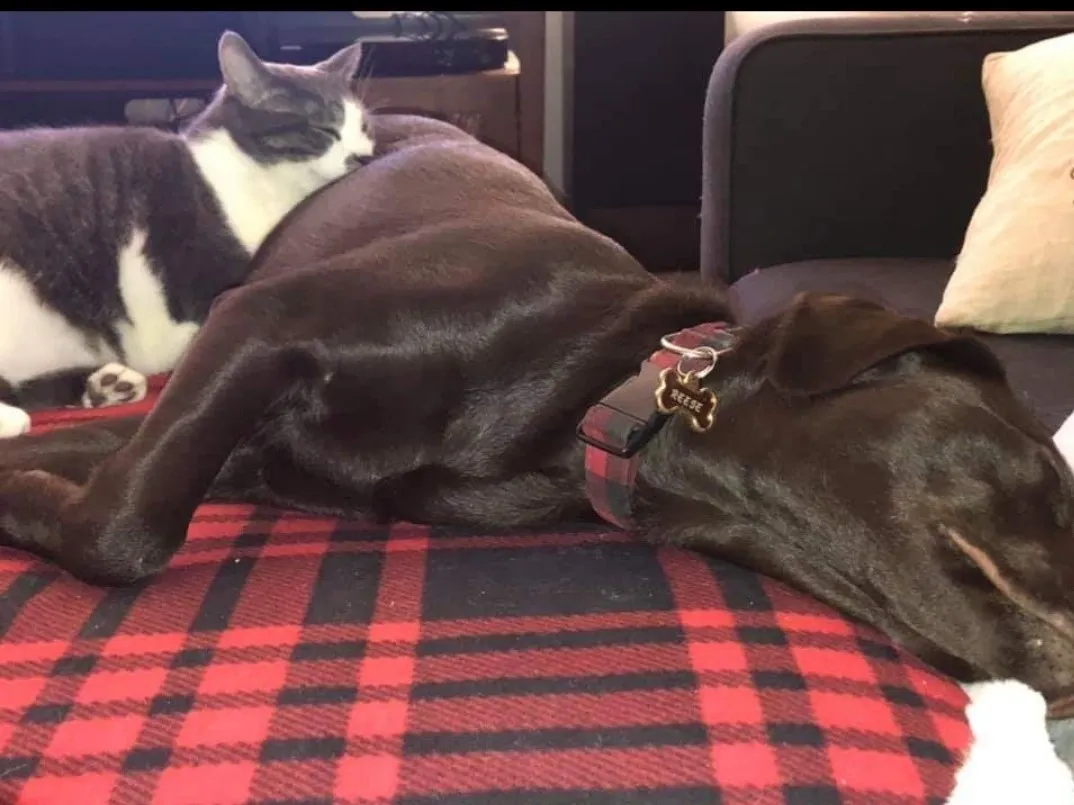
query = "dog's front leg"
{"x": 125, "y": 523}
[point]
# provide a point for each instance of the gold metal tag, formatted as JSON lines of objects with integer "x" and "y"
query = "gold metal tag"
{"x": 681, "y": 393}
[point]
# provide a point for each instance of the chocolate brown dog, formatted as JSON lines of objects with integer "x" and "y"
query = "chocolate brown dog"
{"x": 421, "y": 340}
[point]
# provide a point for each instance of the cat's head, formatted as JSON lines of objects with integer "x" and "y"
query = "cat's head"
{"x": 285, "y": 113}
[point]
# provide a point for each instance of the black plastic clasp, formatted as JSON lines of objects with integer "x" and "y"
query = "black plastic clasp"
{"x": 635, "y": 402}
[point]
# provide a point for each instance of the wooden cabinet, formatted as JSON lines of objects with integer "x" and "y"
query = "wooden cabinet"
{"x": 483, "y": 104}
{"x": 502, "y": 107}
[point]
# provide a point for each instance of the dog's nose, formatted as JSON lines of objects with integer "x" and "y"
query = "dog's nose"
{"x": 357, "y": 161}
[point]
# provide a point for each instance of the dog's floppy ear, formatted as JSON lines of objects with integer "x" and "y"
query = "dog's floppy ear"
{"x": 823, "y": 341}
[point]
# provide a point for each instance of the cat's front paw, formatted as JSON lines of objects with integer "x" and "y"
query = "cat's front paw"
{"x": 114, "y": 384}
{"x": 13, "y": 421}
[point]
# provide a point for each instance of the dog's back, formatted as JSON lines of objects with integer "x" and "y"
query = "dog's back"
{"x": 497, "y": 314}
{"x": 433, "y": 186}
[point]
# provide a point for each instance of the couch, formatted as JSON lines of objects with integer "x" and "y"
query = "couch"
{"x": 284, "y": 658}
{"x": 848, "y": 154}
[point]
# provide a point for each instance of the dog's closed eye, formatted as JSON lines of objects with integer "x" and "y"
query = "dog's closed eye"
{"x": 1010, "y": 589}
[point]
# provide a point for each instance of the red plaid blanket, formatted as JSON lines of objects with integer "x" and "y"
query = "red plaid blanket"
{"x": 288, "y": 659}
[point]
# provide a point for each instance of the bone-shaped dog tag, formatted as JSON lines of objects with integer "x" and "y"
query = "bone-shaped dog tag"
{"x": 682, "y": 394}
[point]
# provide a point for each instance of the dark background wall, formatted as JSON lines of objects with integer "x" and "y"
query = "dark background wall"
{"x": 634, "y": 135}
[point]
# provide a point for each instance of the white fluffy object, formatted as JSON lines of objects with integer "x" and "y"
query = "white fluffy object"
{"x": 1064, "y": 440}
{"x": 1011, "y": 760}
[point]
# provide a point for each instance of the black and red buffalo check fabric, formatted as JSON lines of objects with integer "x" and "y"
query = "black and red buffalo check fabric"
{"x": 288, "y": 659}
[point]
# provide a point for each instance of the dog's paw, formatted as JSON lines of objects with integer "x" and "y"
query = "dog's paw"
{"x": 114, "y": 384}
{"x": 13, "y": 421}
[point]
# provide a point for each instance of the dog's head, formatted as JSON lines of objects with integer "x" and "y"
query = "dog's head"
{"x": 885, "y": 466}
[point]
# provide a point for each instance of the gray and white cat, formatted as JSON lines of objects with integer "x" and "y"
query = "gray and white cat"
{"x": 114, "y": 241}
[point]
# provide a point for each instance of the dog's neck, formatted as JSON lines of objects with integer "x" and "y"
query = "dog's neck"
{"x": 618, "y": 427}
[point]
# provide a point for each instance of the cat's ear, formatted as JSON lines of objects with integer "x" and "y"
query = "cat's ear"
{"x": 343, "y": 63}
{"x": 245, "y": 75}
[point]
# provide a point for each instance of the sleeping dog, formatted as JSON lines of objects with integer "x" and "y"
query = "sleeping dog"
{"x": 421, "y": 340}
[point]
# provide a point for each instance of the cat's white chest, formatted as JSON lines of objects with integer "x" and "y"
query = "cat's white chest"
{"x": 254, "y": 198}
{"x": 152, "y": 340}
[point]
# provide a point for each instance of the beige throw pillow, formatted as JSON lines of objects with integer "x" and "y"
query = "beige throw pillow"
{"x": 1015, "y": 273}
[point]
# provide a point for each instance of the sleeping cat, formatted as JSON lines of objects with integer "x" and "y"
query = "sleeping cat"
{"x": 114, "y": 241}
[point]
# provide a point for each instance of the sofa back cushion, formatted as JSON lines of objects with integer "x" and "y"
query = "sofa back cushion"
{"x": 851, "y": 137}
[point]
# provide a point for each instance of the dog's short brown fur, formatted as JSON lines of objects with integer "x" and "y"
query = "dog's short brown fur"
{"x": 420, "y": 340}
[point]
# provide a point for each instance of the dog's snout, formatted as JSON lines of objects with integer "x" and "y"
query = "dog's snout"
{"x": 357, "y": 161}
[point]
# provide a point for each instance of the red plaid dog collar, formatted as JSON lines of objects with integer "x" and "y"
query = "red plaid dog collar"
{"x": 615, "y": 429}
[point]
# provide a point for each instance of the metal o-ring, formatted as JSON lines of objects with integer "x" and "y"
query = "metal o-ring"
{"x": 697, "y": 354}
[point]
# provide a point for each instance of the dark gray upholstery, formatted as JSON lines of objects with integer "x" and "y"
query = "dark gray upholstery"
{"x": 913, "y": 287}
{"x": 848, "y": 155}
{"x": 1039, "y": 367}
{"x": 850, "y": 137}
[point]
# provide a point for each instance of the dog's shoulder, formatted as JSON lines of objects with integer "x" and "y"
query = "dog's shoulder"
{"x": 430, "y": 186}
{"x": 441, "y": 157}
{"x": 394, "y": 132}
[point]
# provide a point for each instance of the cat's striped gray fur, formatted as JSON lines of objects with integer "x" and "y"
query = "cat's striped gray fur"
{"x": 114, "y": 241}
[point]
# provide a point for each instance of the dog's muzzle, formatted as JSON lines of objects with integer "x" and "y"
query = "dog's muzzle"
{"x": 625, "y": 420}
{"x": 1061, "y": 706}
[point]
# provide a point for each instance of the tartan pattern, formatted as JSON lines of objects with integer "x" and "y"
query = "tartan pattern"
{"x": 610, "y": 478}
{"x": 288, "y": 659}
